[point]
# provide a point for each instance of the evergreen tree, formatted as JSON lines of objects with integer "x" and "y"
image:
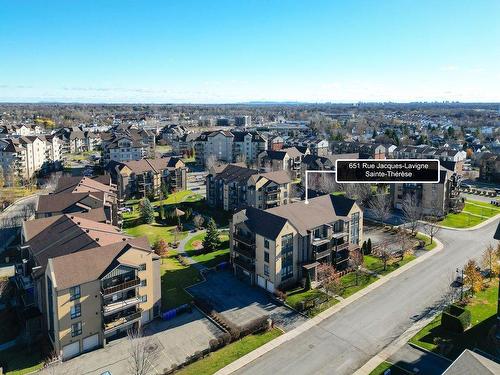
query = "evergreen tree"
{"x": 369, "y": 246}
{"x": 308, "y": 281}
{"x": 164, "y": 190}
{"x": 211, "y": 242}
{"x": 147, "y": 211}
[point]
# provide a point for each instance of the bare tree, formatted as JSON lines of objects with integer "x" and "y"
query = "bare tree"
{"x": 356, "y": 260}
{"x": 359, "y": 192}
{"x": 198, "y": 221}
{"x": 385, "y": 256}
{"x": 334, "y": 286}
{"x": 210, "y": 162}
{"x": 412, "y": 212}
{"x": 431, "y": 228}
{"x": 380, "y": 204}
{"x": 325, "y": 272}
{"x": 405, "y": 241}
{"x": 142, "y": 352}
{"x": 28, "y": 210}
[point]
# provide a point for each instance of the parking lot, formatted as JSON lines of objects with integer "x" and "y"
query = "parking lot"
{"x": 175, "y": 340}
{"x": 241, "y": 303}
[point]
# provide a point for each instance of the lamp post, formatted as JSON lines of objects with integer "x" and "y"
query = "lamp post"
{"x": 461, "y": 271}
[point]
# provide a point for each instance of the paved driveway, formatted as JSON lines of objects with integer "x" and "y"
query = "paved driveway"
{"x": 419, "y": 361}
{"x": 176, "y": 340}
{"x": 241, "y": 303}
{"x": 348, "y": 339}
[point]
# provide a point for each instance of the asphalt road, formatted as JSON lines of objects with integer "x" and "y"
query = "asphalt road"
{"x": 347, "y": 340}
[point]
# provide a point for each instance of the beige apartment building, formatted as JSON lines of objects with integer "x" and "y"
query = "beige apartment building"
{"x": 97, "y": 294}
{"x": 276, "y": 248}
{"x": 433, "y": 199}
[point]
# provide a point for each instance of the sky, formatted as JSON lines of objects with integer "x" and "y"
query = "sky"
{"x": 214, "y": 51}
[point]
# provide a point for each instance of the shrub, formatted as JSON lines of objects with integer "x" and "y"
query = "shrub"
{"x": 256, "y": 325}
{"x": 280, "y": 294}
{"x": 455, "y": 319}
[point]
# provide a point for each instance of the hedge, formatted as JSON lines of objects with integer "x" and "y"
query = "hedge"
{"x": 455, "y": 319}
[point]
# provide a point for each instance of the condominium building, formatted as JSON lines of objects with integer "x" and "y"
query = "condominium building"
{"x": 234, "y": 186}
{"x": 436, "y": 199}
{"x": 277, "y": 247}
{"x": 243, "y": 121}
{"x": 141, "y": 178}
{"x": 287, "y": 159}
{"x": 97, "y": 294}
{"x": 229, "y": 146}
{"x": 22, "y": 157}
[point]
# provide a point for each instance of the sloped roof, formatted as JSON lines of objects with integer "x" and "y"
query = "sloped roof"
{"x": 233, "y": 172}
{"x": 263, "y": 222}
{"x": 78, "y": 184}
{"x": 280, "y": 177}
{"x": 67, "y": 234}
{"x": 152, "y": 165}
{"x": 470, "y": 362}
{"x": 60, "y": 202}
{"x": 90, "y": 264}
{"x": 320, "y": 210}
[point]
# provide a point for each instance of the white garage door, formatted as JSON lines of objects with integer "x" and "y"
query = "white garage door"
{"x": 261, "y": 282}
{"x": 270, "y": 287}
{"x": 90, "y": 342}
{"x": 71, "y": 350}
{"x": 145, "y": 317}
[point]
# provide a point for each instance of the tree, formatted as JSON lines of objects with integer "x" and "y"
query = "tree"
{"x": 160, "y": 247}
{"x": 369, "y": 246}
{"x": 142, "y": 353}
{"x": 210, "y": 162}
{"x": 198, "y": 221}
{"x": 405, "y": 241}
{"x": 325, "y": 272}
{"x": 211, "y": 242}
{"x": 308, "y": 281}
{"x": 385, "y": 256}
{"x": 380, "y": 204}
{"x": 356, "y": 260}
{"x": 147, "y": 211}
{"x": 490, "y": 260}
{"x": 472, "y": 277}
{"x": 164, "y": 190}
{"x": 2, "y": 178}
{"x": 431, "y": 227}
{"x": 412, "y": 212}
{"x": 359, "y": 192}
{"x": 334, "y": 286}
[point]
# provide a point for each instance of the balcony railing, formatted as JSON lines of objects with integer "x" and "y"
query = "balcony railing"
{"x": 245, "y": 239}
{"x": 120, "y": 305}
{"x": 245, "y": 250}
{"x": 244, "y": 264}
{"x": 124, "y": 320}
{"x": 123, "y": 286}
{"x": 321, "y": 254}
{"x": 342, "y": 246}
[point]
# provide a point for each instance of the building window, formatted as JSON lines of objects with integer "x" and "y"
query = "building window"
{"x": 266, "y": 270}
{"x": 76, "y": 311}
{"x": 144, "y": 282}
{"x": 286, "y": 256}
{"x": 76, "y": 329}
{"x": 74, "y": 293}
{"x": 355, "y": 228}
{"x": 142, "y": 267}
{"x": 266, "y": 243}
{"x": 266, "y": 257}
{"x": 144, "y": 298}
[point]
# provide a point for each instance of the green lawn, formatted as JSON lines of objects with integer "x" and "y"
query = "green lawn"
{"x": 427, "y": 239}
{"x": 483, "y": 308}
{"x": 460, "y": 220}
{"x": 384, "y": 366}
{"x": 298, "y": 295}
{"x": 154, "y": 232}
{"x": 487, "y": 210}
{"x": 376, "y": 265}
{"x": 174, "y": 278}
{"x": 230, "y": 353}
{"x": 349, "y": 283}
{"x": 209, "y": 259}
{"x": 20, "y": 360}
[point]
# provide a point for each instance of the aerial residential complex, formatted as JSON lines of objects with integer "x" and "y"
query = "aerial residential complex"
{"x": 275, "y": 248}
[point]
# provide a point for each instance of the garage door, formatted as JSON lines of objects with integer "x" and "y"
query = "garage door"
{"x": 261, "y": 282}
{"x": 145, "y": 317}
{"x": 90, "y": 342}
{"x": 71, "y": 350}
{"x": 270, "y": 287}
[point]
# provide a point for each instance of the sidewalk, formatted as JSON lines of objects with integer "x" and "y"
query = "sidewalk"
{"x": 246, "y": 359}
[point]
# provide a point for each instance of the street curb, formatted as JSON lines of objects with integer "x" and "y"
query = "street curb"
{"x": 250, "y": 357}
{"x": 478, "y": 226}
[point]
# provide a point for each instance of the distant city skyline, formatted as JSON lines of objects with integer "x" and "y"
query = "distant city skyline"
{"x": 243, "y": 51}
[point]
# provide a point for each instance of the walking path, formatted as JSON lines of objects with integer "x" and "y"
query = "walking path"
{"x": 182, "y": 250}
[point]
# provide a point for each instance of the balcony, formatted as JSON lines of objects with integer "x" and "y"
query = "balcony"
{"x": 342, "y": 246}
{"x": 122, "y": 321}
{"x": 120, "y": 305}
{"x": 122, "y": 286}
{"x": 240, "y": 261}
{"x": 247, "y": 240}
{"x": 245, "y": 250}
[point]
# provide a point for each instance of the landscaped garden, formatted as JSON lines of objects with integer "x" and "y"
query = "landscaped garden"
{"x": 483, "y": 308}
{"x": 376, "y": 264}
{"x": 174, "y": 278}
{"x": 194, "y": 248}
{"x": 230, "y": 353}
{"x": 474, "y": 212}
